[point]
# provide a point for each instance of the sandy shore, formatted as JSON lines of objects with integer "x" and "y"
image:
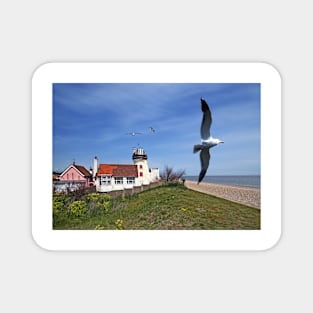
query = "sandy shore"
{"x": 245, "y": 195}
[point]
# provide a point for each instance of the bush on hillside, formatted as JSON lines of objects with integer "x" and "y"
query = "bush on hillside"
{"x": 78, "y": 208}
{"x": 170, "y": 175}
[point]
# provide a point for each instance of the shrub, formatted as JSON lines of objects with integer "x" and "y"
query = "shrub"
{"x": 58, "y": 207}
{"x": 104, "y": 197}
{"x": 119, "y": 224}
{"x": 169, "y": 175}
{"x": 97, "y": 202}
{"x": 78, "y": 208}
{"x": 105, "y": 206}
{"x": 59, "y": 203}
{"x": 92, "y": 197}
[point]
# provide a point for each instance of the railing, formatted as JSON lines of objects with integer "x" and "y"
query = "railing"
{"x": 108, "y": 189}
{"x": 71, "y": 188}
{"x": 136, "y": 189}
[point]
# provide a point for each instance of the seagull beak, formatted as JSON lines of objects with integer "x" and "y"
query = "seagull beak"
{"x": 221, "y": 141}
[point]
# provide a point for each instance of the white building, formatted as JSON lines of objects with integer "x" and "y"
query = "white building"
{"x": 154, "y": 174}
{"x": 109, "y": 177}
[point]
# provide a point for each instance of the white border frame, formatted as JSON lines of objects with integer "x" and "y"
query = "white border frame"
{"x": 148, "y": 240}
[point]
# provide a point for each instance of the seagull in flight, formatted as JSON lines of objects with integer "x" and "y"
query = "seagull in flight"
{"x": 152, "y": 129}
{"x": 207, "y": 141}
{"x": 133, "y": 133}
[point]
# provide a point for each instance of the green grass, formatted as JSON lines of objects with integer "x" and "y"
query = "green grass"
{"x": 166, "y": 207}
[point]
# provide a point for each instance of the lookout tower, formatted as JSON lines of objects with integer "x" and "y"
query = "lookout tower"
{"x": 140, "y": 159}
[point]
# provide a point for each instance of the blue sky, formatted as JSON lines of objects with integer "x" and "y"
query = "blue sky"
{"x": 93, "y": 119}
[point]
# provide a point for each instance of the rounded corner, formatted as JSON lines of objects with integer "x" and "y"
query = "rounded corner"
{"x": 40, "y": 69}
{"x": 39, "y": 244}
{"x": 273, "y": 243}
{"x": 272, "y": 70}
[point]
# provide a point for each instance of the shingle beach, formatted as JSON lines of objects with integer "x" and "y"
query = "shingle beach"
{"x": 245, "y": 195}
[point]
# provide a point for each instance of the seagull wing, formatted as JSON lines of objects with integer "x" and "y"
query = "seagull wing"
{"x": 205, "y": 160}
{"x": 133, "y": 133}
{"x": 206, "y": 120}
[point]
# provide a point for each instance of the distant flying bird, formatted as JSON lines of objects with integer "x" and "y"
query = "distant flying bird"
{"x": 152, "y": 129}
{"x": 133, "y": 133}
{"x": 207, "y": 142}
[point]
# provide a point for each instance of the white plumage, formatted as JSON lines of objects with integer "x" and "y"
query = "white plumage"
{"x": 207, "y": 141}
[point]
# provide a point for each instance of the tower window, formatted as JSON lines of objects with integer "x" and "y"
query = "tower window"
{"x": 140, "y": 166}
{"x": 140, "y": 174}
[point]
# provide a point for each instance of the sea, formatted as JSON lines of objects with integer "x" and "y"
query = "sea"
{"x": 243, "y": 181}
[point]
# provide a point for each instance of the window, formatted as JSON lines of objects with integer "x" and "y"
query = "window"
{"x": 140, "y": 174}
{"x": 118, "y": 180}
{"x": 105, "y": 180}
{"x": 140, "y": 166}
{"x": 130, "y": 180}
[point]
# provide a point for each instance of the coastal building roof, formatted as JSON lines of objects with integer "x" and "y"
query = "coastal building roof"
{"x": 121, "y": 170}
{"x": 81, "y": 169}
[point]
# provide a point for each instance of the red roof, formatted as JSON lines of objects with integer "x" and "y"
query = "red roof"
{"x": 82, "y": 169}
{"x": 122, "y": 170}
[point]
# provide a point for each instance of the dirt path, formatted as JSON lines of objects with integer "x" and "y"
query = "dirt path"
{"x": 245, "y": 195}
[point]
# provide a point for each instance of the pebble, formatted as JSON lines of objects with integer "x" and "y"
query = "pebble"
{"x": 245, "y": 195}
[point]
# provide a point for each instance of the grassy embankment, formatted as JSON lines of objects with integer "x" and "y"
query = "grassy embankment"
{"x": 166, "y": 207}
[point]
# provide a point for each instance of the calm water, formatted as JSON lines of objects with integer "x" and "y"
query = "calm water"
{"x": 247, "y": 181}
